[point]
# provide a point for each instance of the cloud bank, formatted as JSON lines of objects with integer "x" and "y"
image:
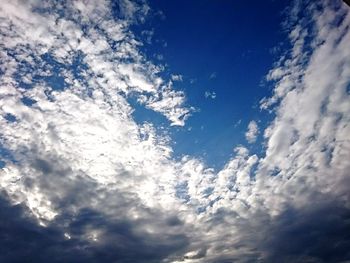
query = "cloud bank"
{"x": 83, "y": 182}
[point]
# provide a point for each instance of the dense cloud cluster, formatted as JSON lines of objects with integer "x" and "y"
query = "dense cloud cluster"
{"x": 83, "y": 182}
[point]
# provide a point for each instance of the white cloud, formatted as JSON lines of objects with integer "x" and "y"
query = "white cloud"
{"x": 252, "y": 132}
{"x": 175, "y": 77}
{"x": 84, "y": 134}
{"x": 133, "y": 11}
{"x": 66, "y": 39}
{"x": 210, "y": 94}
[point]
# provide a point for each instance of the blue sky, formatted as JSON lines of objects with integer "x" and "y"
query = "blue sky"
{"x": 174, "y": 131}
{"x": 224, "y": 48}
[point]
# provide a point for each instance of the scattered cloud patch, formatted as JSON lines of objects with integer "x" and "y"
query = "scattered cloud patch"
{"x": 237, "y": 123}
{"x": 252, "y": 132}
{"x": 175, "y": 77}
{"x": 148, "y": 35}
{"x": 159, "y": 56}
{"x": 210, "y": 94}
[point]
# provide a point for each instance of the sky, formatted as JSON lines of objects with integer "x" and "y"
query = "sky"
{"x": 221, "y": 73}
{"x": 174, "y": 131}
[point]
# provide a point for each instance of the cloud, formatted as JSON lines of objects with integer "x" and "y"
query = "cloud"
{"x": 76, "y": 152}
{"x": 99, "y": 242}
{"x": 313, "y": 234}
{"x": 100, "y": 50}
{"x": 210, "y": 94}
{"x": 133, "y": 11}
{"x": 82, "y": 181}
{"x": 252, "y": 132}
{"x": 175, "y": 77}
{"x": 213, "y": 75}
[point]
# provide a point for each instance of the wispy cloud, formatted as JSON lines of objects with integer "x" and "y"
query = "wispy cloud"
{"x": 252, "y": 132}
{"x": 210, "y": 94}
{"x": 213, "y": 75}
{"x": 175, "y": 77}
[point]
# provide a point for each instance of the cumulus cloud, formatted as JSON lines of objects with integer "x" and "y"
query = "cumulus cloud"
{"x": 252, "y": 132}
{"x": 83, "y": 182}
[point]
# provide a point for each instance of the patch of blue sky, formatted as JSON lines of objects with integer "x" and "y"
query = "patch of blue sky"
{"x": 55, "y": 79}
{"x": 182, "y": 192}
{"x": 227, "y": 50}
{"x": 28, "y": 101}
{"x": 10, "y": 117}
{"x": 79, "y": 69}
{"x": 49, "y": 72}
{"x": 39, "y": 73}
{"x": 141, "y": 114}
{"x": 5, "y": 156}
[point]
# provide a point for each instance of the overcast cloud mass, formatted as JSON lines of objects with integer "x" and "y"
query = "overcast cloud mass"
{"x": 81, "y": 181}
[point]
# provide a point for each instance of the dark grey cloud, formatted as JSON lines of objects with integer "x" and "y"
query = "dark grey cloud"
{"x": 23, "y": 240}
{"x": 319, "y": 232}
{"x": 85, "y": 209}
